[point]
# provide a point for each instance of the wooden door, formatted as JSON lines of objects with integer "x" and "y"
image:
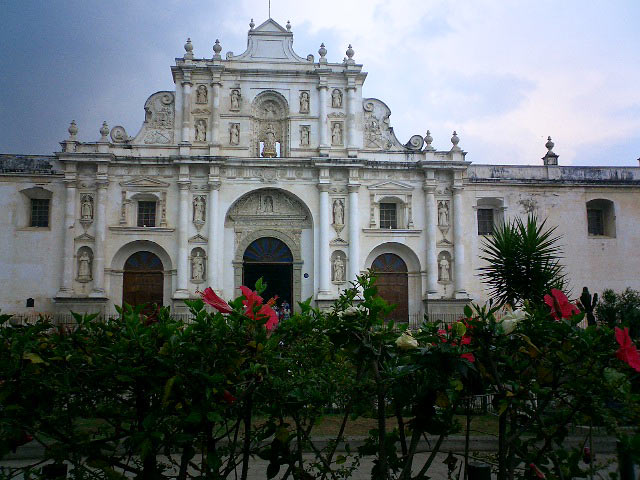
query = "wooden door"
{"x": 143, "y": 281}
{"x": 393, "y": 284}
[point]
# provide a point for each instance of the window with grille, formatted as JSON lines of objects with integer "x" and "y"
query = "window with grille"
{"x": 595, "y": 220}
{"x": 388, "y": 215}
{"x": 146, "y": 214}
{"x": 485, "y": 221}
{"x": 39, "y": 212}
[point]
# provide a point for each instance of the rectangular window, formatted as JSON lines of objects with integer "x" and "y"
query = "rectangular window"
{"x": 146, "y": 214}
{"x": 595, "y": 220}
{"x": 388, "y": 215}
{"x": 39, "y": 212}
{"x": 485, "y": 221}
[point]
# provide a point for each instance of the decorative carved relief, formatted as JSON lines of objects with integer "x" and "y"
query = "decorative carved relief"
{"x": 338, "y": 211}
{"x": 443, "y": 213}
{"x": 85, "y": 263}
{"x": 305, "y": 135}
{"x": 338, "y": 267}
{"x": 199, "y": 210}
{"x": 202, "y": 94}
{"x": 268, "y": 207}
{"x": 270, "y": 124}
{"x": 444, "y": 267}
{"x": 378, "y": 134}
{"x": 159, "y": 119}
{"x": 234, "y": 133}
{"x": 304, "y": 101}
{"x": 198, "y": 260}
{"x": 86, "y": 207}
{"x": 336, "y": 98}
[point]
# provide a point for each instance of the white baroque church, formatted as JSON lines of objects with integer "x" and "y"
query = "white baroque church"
{"x": 268, "y": 164}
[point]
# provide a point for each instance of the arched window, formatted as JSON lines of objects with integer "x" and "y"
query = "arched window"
{"x": 601, "y": 219}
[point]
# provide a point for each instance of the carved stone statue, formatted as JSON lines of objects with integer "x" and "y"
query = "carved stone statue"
{"x": 86, "y": 208}
{"x": 338, "y": 269}
{"x": 269, "y": 149}
{"x": 443, "y": 213}
{"x": 338, "y": 212}
{"x": 234, "y": 134}
{"x": 201, "y": 94}
{"x": 304, "y": 136}
{"x": 304, "y": 102}
{"x": 445, "y": 270}
{"x": 267, "y": 206}
{"x": 336, "y": 98}
{"x": 336, "y": 134}
{"x": 84, "y": 266}
{"x": 199, "y": 209}
{"x": 197, "y": 267}
{"x": 201, "y": 130}
{"x": 235, "y": 99}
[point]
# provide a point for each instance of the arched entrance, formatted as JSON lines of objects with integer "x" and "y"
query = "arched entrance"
{"x": 270, "y": 259}
{"x": 392, "y": 281}
{"x": 143, "y": 281}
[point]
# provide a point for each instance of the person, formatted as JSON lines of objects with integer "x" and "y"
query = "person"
{"x": 286, "y": 310}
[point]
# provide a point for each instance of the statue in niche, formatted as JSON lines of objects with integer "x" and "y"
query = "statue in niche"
{"x": 234, "y": 134}
{"x": 268, "y": 204}
{"x": 336, "y": 134}
{"x": 336, "y": 98}
{"x": 199, "y": 209}
{"x": 84, "y": 266}
{"x": 201, "y": 94}
{"x": 86, "y": 208}
{"x": 304, "y": 102}
{"x": 201, "y": 130}
{"x": 338, "y": 269}
{"x": 269, "y": 150}
{"x": 443, "y": 213}
{"x": 338, "y": 212}
{"x": 304, "y": 136}
{"x": 235, "y": 99}
{"x": 445, "y": 270}
{"x": 197, "y": 267}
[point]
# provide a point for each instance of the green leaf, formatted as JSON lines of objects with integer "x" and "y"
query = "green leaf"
{"x": 467, "y": 311}
{"x": 340, "y": 459}
{"x": 33, "y": 357}
{"x": 168, "y": 386}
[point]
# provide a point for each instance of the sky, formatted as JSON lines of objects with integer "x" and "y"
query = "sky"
{"x": 504, "y": 74}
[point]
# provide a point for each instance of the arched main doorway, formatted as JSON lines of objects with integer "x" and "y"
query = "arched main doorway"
{"x": 143, "y": 281}
{"x": 392, "y": 281}
{"x": 270, "y": 259}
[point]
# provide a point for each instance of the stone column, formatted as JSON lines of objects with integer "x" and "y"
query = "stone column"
{"x": 431, "y": 221}
{"x": 458, "y": 245}
{"x": 323, "y": 247}
{"x": 215, "y": 114}
{"x": 354, "y": 233}
{"x": 351, "y": 119}
{"x": 66, "y": 282}
{"x": 214, "y": 240}
{"x": 183, "y": 252}
{"x": 186, "y": 108}
{"x": 100, "y": 223}
{"x": 322, "y": 114}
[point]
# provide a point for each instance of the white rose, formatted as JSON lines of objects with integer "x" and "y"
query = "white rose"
{"x": 406, "y": 341}
{"x": 349, "y": 312}
{"x": 511, "y": 320}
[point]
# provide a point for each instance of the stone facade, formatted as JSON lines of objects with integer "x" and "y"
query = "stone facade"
{"x": 267, "y": 144}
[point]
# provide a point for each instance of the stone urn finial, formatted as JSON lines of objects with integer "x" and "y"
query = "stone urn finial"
{"x": 73, "y": 130}
{"x": 251, "y": 24}
{"x": 428, "y": 139}
{"x": 288, "y": 25}
{"x": 188, "y": 48}
{"x": 323, "y": 53}
{"x": 550, "y": 158}
{"x": 104, "y": 131}
{"x": 455, "y": 140}
{"x": 350, "y": 52}
{"x": 549, "y": 145}
{"x": 217, "y": 48}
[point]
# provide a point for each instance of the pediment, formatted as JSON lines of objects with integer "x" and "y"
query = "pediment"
{"x": 269, "y": 25}
{"x": 144, "y": 183}
{"x": 198, "y": 239}
{"x": 85, "y": 237}
{"x": 391, "y": 185}
{"x": 269, "y": 42}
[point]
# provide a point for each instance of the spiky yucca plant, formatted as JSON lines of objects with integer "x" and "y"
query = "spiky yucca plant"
{"x": 523, "y": 262}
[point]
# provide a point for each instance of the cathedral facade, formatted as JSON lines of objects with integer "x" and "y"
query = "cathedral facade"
{"x": 268, "y": 164}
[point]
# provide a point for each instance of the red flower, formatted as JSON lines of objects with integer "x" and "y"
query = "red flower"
{"x": 209, "y": 296}
{"x": 560, "y": 305}
{"x": 465, "y": 340}
{"x": 251, "y": 303}
{"x": 627, "y": 352}
{"x": 230, "y": 399}
{"x": 536, "y": 471}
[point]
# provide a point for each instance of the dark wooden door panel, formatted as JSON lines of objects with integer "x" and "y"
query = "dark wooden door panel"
{"x": 143, "y": 287}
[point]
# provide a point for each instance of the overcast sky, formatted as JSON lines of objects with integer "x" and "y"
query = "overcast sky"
{"x": 504, "y": 74}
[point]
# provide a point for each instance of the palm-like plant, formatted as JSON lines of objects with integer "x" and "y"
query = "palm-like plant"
{"x": 523, "y": 262}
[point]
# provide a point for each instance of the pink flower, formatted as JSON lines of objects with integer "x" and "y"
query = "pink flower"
{"x": 251, "y": 303}
{"x": 627, "y": 352}
{"x": 560, "y": 305}
{"x": 209, "y": 296}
